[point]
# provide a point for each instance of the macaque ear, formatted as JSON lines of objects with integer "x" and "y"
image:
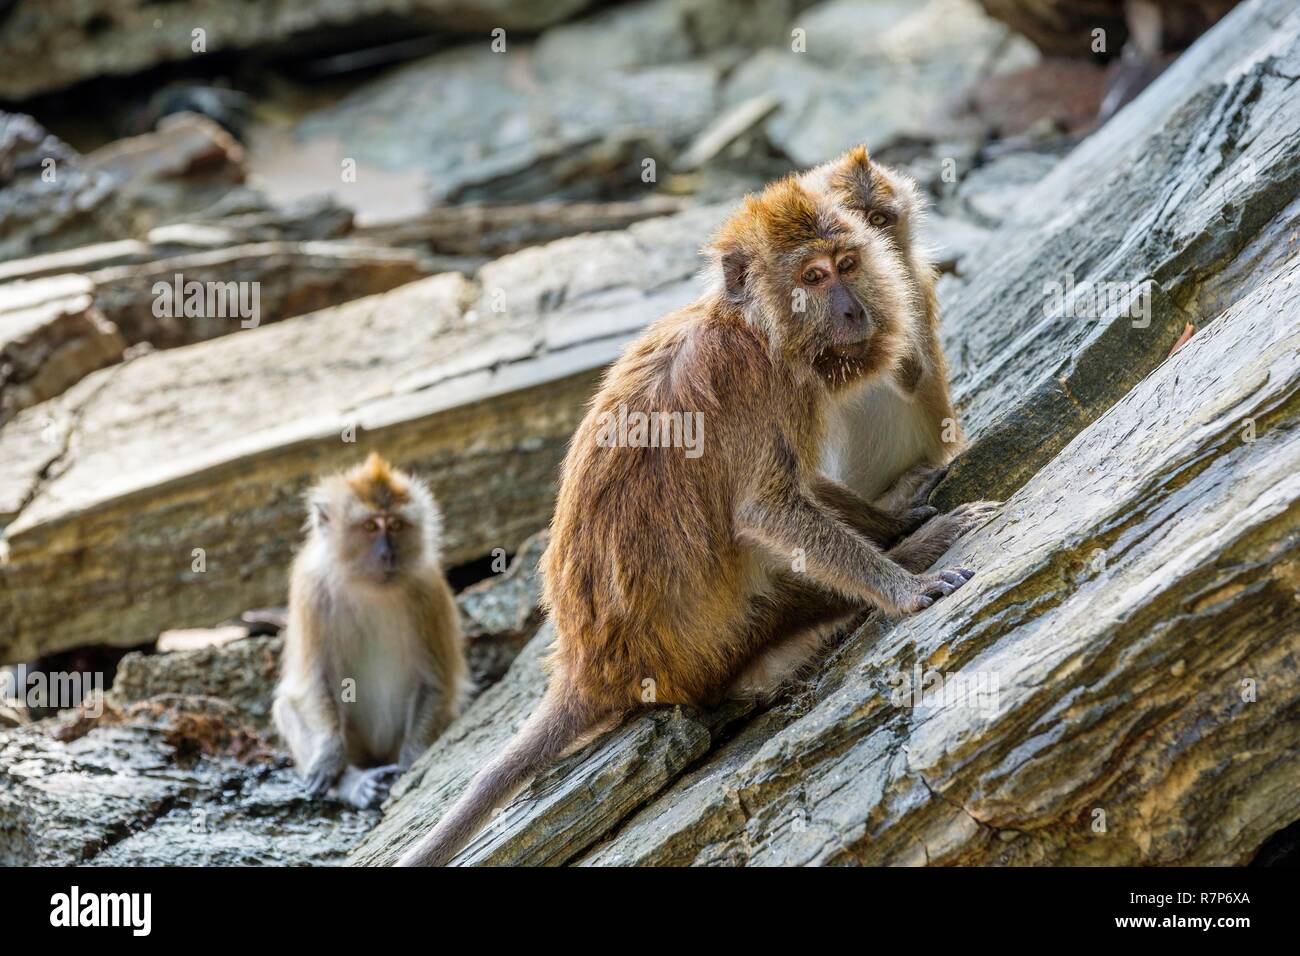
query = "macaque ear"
{"x": 316, "y": 508}
{"x": 735, "y": 274}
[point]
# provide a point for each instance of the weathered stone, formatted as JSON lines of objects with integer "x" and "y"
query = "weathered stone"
{"x": 48, "y": 200}
{"x": 100, "y": 797}
{"x": 573, "y": 115}
{"x": 56, "y": 199}
{"x": 43, "y": 50}
{"x": 870, "y": 72}
{"x": 481, "y": 401}
{"x": 582, "y": 797}
{"x": 184, "y": 143}
{"x": 952, "y": 240}
{"x": 52, "y": 335}
{"x": 1201, "y": 171}
{"x": 478, "y": 230}
{"x": 1068, "y": 27}
{"x": 197, "y": 638}
{"x": 500, "y": 615}
{"x": 241, "y": 673}
{"x": 292, "y": 278}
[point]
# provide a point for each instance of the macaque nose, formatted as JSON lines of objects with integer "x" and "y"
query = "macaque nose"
{"x": 846, "y": 306}
{"x": 385, "y": 553}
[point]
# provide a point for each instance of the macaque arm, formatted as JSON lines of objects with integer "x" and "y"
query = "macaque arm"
{"x": 878, "y": 525}
{"x": 307, "y": 712}
{"x": 786, "y": 518}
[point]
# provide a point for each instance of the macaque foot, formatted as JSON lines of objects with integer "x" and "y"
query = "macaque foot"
{"x": 926, "y": 479}
{"x": 365, "y": 789}
{"x": 941, "y": 584}
{"x": 323, "y": 772}
{"x": 972, "y": 514}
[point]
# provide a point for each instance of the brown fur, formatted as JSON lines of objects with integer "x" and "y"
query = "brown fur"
{"x": 678, "y": 575}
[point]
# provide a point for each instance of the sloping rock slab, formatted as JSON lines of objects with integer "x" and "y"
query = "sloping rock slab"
{"x": 1188, "y": 183}
{"x": 582, "y": 797}
{"x": 1117, "y": 685}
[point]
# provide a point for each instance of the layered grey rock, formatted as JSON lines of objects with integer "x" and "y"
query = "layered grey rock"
{"x": 476, "y": 384}
{"x": 43, "y": 49}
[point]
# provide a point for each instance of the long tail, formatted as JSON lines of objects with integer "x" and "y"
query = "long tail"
{"x": 554, "y": 726}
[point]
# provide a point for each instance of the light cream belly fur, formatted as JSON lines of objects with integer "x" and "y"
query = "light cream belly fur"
{"x": 874, "y": 436}
{"x": 379, "y": 656}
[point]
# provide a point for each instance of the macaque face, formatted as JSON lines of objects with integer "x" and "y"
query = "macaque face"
{"x": 373, "y": 545}
{"x": 829, "y": 282}
{"x": 845, "y": 295}
{"x": 378, "y": 543}
{"x": 827, "y": 286}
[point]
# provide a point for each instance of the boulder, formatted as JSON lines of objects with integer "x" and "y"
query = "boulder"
{"x": 476, "y": 384}
{"x": 42, "y": 49}
{"x": 579, "y": 113}
{"x": 52, "y": 335}
{"x": 848, "y": 72}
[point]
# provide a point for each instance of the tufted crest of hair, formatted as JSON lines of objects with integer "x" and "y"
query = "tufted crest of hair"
{"x": 376, "y": 483}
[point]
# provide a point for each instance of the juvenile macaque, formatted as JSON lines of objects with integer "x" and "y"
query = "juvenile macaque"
{"x": 720, "y": 574}
{"x": 374, "y": 664}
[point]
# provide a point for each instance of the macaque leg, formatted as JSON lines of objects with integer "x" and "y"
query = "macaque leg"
{"x": 295, "y": 731}
{"x": 882, "y": 526}
{"x": 429, "y": 714}
{"x": 800, "y": 617}
{"x": 794, "y": 622}
{"x": 318, "y": 755}
{"x": 922, "y": 548}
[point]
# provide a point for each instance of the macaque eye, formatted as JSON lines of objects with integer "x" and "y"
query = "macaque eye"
{"x": 847, "y": 264}
{"x": 813, "y": 276}
{"x": 878, "y": 219}
{"x": 371, "y": 524}
{"x": 396, "y": 524}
